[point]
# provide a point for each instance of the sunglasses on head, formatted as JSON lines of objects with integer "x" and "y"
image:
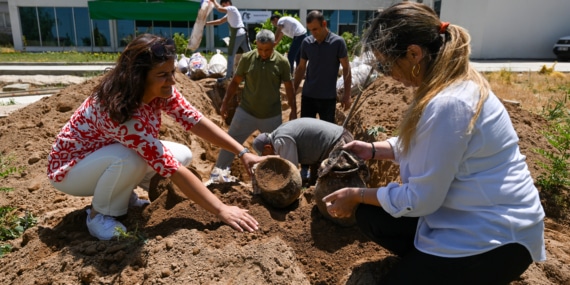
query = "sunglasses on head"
{"x": 163, "y": 48}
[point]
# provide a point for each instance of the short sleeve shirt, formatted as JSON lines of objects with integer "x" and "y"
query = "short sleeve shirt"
{"x": 291, "y": 27}
{"x": 90, "y": 128}
{"x": 261, "y": 97}
{"x": 234, "y": 19}
{"x": 323, "y": 65}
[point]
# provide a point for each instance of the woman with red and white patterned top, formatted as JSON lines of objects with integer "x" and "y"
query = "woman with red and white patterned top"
{"x": 110, "y": 145}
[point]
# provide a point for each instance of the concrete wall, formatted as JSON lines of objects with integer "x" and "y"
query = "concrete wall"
{"x": 510, "y": 29}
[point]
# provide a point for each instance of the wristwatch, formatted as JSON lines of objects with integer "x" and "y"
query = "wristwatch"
{"x": 243, "y": 151}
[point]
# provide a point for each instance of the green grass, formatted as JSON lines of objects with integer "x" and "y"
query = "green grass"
{"x": 10, "y": 102}
{"x": 555, "y": 182}
{"x": 70, "y": 57}
{"x": 7, "y": 167}
{"x": 135, "y": 236}
{"x": 11, "y": 224}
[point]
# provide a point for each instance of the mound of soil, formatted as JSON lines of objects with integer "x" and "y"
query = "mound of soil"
{"x": 174, "y": 241}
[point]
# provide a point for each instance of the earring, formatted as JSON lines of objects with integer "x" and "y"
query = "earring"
{"x": 416, "y": 72}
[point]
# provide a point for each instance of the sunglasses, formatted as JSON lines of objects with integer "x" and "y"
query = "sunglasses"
{"x": 163, "y": 48}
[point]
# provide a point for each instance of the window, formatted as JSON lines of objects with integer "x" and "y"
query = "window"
{"x": 29, "y": 24}
{"x": 292, "y": 12}
{"x": 143, "y": 27}
{"x": 437, "y": 7}
{"x": 101, "y": 33}
{"x": 5, "y": 20}
{"x": 347, "y": 22}
{"x": 184, "y": 29}
{"x": 162, "y": 28}
{"x": 82, "y": 26}
{"x": 65, "y": 27}
{"x": 125, "y": 32}
{"x": 364, "y": 20}
{"x": 48, "y": 29}
{"x": 331, "y": 16}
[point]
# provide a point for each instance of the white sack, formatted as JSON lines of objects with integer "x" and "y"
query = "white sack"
{"x": 182, "y": 64}
{"x": 198, "y": 66}
{"x": 218, "y": 64}
{"x": 205, "y": 9}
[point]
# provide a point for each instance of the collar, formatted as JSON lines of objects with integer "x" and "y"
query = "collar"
{"x": 271, "y": 58}
{"x": 326, "y": 40}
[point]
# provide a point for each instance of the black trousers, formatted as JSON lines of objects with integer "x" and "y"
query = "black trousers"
{"x": 498, "y": 266}
{"x": 325, "y": 108}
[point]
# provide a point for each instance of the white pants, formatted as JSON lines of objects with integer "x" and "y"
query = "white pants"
{"x": 111, "y": 173}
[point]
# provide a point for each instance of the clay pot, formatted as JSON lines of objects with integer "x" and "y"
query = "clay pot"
{"x": 353, "y": 174}
{"x": 277, "y": 181}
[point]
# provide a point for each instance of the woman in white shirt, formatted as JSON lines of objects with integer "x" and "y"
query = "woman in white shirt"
{"x": 467, "y": 210}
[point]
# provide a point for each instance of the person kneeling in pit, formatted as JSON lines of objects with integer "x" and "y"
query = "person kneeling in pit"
{"x": 305, "y": 141}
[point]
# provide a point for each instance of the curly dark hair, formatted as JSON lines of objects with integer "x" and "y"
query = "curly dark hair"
{"x": 121, "y": 89}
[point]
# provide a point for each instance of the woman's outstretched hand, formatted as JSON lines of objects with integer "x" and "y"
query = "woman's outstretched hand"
{"x": 238, "y": 218}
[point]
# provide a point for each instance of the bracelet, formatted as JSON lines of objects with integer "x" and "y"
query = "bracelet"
{"x": 373, "y": 150}
{"x": 243, "y": 151}
{"x": 361, "y": 195}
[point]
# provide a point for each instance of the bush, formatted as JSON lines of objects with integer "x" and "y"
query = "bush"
{"x": 181, "y": 43}
{"x": 352, "y": 43}
{"x": 555, "y": 183}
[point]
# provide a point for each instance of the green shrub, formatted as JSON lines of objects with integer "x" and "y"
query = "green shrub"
{"x": 555, "y": 183}
{"x": 181, "y": 43}
{"x": 352, "y": 43}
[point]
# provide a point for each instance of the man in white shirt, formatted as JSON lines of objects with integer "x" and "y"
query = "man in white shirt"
{"x": 238, "y": 33}
{"x": 293, "y": 29}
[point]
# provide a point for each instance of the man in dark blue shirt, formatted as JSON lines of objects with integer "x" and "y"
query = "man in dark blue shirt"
{"x": 324, "y": 52}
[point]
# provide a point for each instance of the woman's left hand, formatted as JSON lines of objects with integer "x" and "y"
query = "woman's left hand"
{"x": 238, "y": 218}
{"x": 341, "y": 203}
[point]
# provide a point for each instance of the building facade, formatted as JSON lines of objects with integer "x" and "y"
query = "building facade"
{"x": 58, "y": 25}
{"x": 499, "y": 29}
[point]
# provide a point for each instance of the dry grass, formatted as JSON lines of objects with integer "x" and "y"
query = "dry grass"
{"x": 534, "y": 90}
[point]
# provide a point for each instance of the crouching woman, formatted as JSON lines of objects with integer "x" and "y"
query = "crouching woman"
{"x": 110, "y": 145}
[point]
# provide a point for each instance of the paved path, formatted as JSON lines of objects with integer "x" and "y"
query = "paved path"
{"x": 54, "y": 71}
{"x": 86, "y": 69}
{"x": 519, "y": 65}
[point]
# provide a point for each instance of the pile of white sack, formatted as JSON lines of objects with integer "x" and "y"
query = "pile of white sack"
{"x": 197, "y": 66}
{"x": 362, "y": 74}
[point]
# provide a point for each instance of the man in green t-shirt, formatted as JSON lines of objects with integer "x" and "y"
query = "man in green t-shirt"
{"x": 263, "y": 70}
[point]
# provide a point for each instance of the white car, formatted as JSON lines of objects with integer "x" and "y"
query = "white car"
{"x": 562, "y": 49}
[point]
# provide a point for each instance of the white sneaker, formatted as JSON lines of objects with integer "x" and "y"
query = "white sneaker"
{"x": 135, "y": 201}
{"x": 103, "y": 227}
{"x": 219, "y": 175}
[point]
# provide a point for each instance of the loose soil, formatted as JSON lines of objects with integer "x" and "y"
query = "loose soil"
{"x": 174, "y": 241}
